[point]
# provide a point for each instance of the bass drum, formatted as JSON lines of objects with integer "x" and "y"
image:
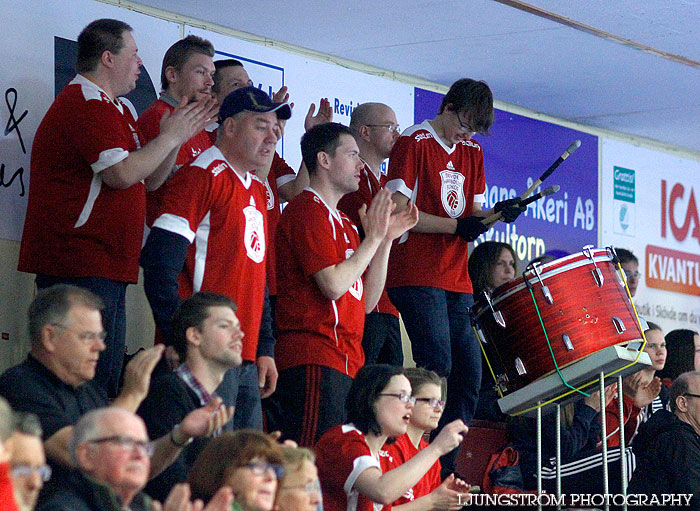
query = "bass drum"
{"x": 553, "y": 316}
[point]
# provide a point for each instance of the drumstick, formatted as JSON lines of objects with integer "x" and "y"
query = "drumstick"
{"x": 492, "y": 219}
{"x": 569, "y": 151}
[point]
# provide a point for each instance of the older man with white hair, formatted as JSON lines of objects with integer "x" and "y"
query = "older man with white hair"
{"x": 112, "y": 453}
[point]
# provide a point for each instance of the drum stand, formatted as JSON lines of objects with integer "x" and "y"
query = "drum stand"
{"x": 615, "y": 359}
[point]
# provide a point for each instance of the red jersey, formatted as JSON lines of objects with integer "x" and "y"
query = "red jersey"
{"x": 311, "y": 329}
{"x": 612, "y": 420}
{"x": 441, "y": 181}
{"x": 279, "y": 171}
{"x": 351, "y": 203}
{"x": 223, "y": 215}
{"x": 77, "y": 226}
{"x": 342, "y": 455}
{"x": 399, "y": 453}
{"x": 149, "y": 124}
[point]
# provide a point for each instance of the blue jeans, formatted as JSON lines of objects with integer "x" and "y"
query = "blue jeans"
{"x": 113, "y": 294}
{"x": 240, "y": 389}
{"x": 442, "y": 340}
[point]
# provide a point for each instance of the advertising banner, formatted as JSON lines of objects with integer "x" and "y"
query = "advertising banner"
{"x": 651, "y": 208}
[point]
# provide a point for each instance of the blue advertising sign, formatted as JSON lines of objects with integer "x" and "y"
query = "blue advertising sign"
{"x": 516, "y": 153}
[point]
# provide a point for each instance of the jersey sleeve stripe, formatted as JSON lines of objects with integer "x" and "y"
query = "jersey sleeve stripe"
{"x": 176, "y": 224}
{"x": 95, "y": 187}
{"x": 359, "y": 465}
{"x": 398, "y": 185}
{"x": 109, "y": 157}
{"x": 287, "y": 178}
{"x": 200, "y": 257}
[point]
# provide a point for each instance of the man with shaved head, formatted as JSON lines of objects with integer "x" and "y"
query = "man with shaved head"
{"x": 376, "y": 130}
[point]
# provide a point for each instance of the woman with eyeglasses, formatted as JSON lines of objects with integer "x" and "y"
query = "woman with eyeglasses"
{"x": 430, "y": 493}
{"x": 299, "y": 489}
{"x": 248, "y": 461}
{"x": 379, "y": 408}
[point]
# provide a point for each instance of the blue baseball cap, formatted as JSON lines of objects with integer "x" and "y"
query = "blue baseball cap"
{"x": 252, "y": 99}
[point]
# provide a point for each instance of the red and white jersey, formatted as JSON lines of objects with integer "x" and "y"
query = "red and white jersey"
{"x": 312, "y": 329}
{"x": 223, "y": 215}
{"x": 351, "y": 203}
{"x": 77, "y": 226}
{"x": 342, "y": 454}
{"x": 400, "y": 452}
{"x": 441, "y": 181}
{"x": 149, "y": 124}
{"x": 282, "y": 173}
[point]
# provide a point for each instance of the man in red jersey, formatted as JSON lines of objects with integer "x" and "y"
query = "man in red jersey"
{"x": 89, "y": 173}
{"x": 211, "y": 235}
{"x": 282, "y": 184}
{"x": 439, "y": 168}
{"x": 186, "y": 75}
{"x": 323, "y": 296}
{"x": 376, "y": 131}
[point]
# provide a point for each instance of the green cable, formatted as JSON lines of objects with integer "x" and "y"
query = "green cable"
{"x": 556, "y": 366}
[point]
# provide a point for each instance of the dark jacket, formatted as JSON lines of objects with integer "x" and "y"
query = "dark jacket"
{"x": 668, "y": 458}
{"x": 81, "y": 493}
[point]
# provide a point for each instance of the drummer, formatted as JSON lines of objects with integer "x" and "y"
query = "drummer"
{"x": 491, "y": 264}
{"x": 438, "y": 167}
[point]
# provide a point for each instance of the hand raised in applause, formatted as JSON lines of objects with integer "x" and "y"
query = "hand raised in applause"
{"x": 137, "y": 377}
{"x": 325, "y": 114}
{"x": 452, "y": 494}
{"x": 375, "y": 219}
{"x": 188, "y": 119}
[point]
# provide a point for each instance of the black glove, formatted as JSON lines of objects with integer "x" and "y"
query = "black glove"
{"x": 510, "y": 209}
{"x": 470, "y": 227}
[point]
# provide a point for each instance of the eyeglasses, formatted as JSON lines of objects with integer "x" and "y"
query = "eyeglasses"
{"x": 87, "y": 338}
{"x": 261, "y": 467}
{"x": 404, "y": 398}
{"x": 463, "y": 126}
{"x": 434, "y": 403}
{"x": 310, "y": 488}
{"x": 688, "y": 394}
{"x": 632, "y": 274}
{"x": 44, "y": 471}
{"x": 393, "y": 128}
{"x": 127, "y": 443}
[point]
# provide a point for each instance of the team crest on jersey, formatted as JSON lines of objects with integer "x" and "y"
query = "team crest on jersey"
{"x": 269, "y": 196}
{"x": 452, "y": 193}
{"x": 357, "y": 288}
{"x": 254, "y": 235}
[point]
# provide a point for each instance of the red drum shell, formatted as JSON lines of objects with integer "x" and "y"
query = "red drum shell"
{"x": 581, "y": 310}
